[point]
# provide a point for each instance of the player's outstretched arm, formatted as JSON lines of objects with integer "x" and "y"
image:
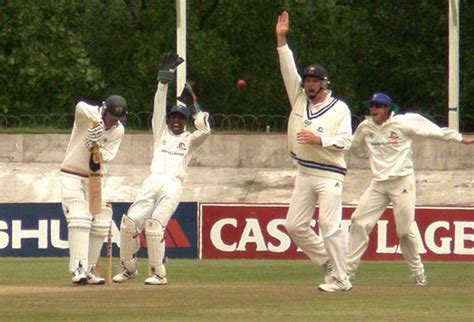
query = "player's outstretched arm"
{"x": 169, "y": 63}
{"x": 281, "y": 28}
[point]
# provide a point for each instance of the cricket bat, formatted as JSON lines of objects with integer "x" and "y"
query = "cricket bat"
{"x": 95, "y": 202}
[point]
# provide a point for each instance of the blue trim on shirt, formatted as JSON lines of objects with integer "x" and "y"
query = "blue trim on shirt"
{"x": 319, "y": 166}
{"x": 323, "y": 110}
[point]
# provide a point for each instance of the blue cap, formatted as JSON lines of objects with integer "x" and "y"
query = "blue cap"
{"x": 381, "y": 98}
{"x": 183, "y": 110}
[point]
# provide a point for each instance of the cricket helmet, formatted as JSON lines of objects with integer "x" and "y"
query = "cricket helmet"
{"x": 317, "y": 71}
{"x": 117, "y": 107}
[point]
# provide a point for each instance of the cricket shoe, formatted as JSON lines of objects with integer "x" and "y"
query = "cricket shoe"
{"x": 124, "y": 275}
{"x": 93, "y": 279}
{"x": 156, "y": 280}
{"x": 419, "y": 279}
{"x": 328, "y": 271}
{"x": 336, "y": 286}
{"x": 351, "y": 276}
{"x": 79, "y": 276}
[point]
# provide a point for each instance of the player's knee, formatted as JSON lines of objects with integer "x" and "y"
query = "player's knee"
{"x": 101, "y": 222}
{"x": 128, "y": 225}
{"x": 154, "y": 228}
{"x": 77, "y": 214}
{"x": 292, "y": 228}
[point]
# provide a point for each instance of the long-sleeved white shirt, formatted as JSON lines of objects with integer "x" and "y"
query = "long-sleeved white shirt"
{"x": 330, "y": 119}
{"x": 171, "y": 153}
{"x": 77, "y": 155}
{"x": 390, "y": 144}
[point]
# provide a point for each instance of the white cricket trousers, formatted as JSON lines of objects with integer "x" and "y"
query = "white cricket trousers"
{"x": 158, "y": 198}
{"x": 402, "y": 193}
{"x": 308, "y": 191}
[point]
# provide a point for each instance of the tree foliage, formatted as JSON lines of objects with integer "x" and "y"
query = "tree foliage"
{"x": 55, "y": 51}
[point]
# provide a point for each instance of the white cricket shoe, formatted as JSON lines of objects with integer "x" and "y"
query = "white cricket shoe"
{"x": 328, "y": 271}
{"x": 124, "y": 275}
{"x": 351, "y": 276}
{"x": 336, "y": 286}
{"x": 79, "y": 276}
{"x": 93, "y": 279}
{"x": 419, "y": 279}
{"x": 156, "y": 280}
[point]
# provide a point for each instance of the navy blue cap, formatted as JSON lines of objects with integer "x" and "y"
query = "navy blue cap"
{"x": 183, "y": 110}
{"x": 381, "y": 98}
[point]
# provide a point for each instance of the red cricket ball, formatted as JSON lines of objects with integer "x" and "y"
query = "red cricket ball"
{"x": 241, "y": 84}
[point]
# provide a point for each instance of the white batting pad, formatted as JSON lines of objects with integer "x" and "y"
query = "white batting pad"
{"x": 79, "y": 225}
{"x": 99, "y": 231}
{"x": 155, "y": 240}
{"x": 129, "y": 243}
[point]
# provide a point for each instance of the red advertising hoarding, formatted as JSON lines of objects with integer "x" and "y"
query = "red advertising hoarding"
{"x": 256, "y": 231}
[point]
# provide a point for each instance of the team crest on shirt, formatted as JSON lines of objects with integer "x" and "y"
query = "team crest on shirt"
{"x": 307, "y": 122}
{"x": 393, "y": 135}
{"x": 182, "y": 146}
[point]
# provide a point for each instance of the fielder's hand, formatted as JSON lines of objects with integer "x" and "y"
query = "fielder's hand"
{"x": 188, "y": 98}
{"x": 170, "y": 62}
{"x": 305, "y": 136}
{"x": 467, "y": 141}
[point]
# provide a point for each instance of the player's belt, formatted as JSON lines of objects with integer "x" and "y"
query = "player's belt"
{"x": 76, "y": 173}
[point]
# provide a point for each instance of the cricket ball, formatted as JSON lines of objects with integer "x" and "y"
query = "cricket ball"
{"x": 241, "y": 84}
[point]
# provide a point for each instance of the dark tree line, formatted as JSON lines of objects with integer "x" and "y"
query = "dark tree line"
{"x": 55, "y": 51}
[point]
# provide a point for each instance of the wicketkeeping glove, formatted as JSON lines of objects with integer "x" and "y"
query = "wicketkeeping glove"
{"x": 170, "y": 62}
{"x": 188, "y": 98}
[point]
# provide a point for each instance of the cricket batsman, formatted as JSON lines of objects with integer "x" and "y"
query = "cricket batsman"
{"x": 388, "y": 139}
{"x": 86, "y": 233}
{"x": 159, "y": 195}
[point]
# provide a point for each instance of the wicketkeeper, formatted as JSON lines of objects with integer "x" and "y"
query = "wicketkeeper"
{"x": 388, "y": 139}
{"x": 159, "y": 195}
{"x": 86, "y": 233}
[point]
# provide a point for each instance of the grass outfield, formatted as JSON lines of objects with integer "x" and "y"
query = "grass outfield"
{"x": 39, "y": 289}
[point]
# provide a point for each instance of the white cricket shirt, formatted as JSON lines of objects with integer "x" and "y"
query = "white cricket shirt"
{"x": 390, "y": 144}
{"x": 330, "y": 119}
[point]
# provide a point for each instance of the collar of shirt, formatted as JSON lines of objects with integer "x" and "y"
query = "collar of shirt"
{"x": 327, "y": 100}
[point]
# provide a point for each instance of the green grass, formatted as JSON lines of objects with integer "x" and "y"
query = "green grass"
{"x": 39, "y": 289}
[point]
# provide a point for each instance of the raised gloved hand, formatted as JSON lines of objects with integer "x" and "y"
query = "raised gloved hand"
{"x": 188, "y": 98}
{"x": 170, "y": 62}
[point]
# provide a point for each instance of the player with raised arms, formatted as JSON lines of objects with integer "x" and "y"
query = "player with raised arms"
{"x": 159, "y": 195}
{"x": 319, "y": 130}
{"x": 388, "y": 139}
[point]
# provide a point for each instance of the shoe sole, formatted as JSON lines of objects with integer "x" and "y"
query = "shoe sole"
{"x": 333, "y": 291}
{"x": 82, "y": 281}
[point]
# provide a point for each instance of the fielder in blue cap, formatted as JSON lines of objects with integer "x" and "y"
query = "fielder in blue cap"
{"x": 388, "y": 139}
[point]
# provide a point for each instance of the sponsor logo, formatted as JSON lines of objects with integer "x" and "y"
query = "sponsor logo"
{"x": 257, "y": 231}
{"x": 41, "y": 230}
